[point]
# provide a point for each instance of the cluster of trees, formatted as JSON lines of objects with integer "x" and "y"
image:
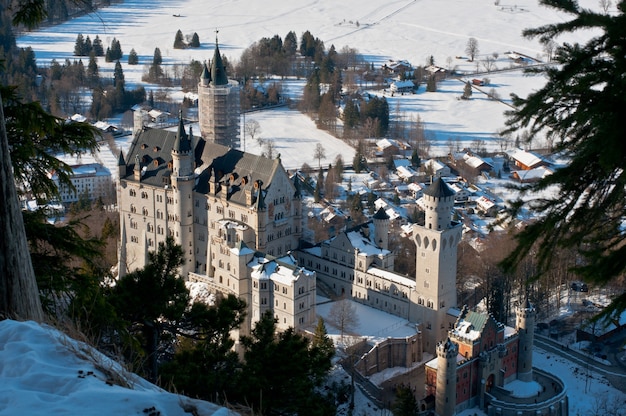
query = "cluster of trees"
{"x": 114, "y": 52}
{"x": 268, "y": 56}
{"x": 180, "y": 43}
{"x": 257, "y": 95}
{"x": 84, "y": 46}
{"x": 370, "y": 114}
{"x": 110, "y": 99}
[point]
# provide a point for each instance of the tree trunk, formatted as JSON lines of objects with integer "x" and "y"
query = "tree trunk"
{"x": 19, "y": 295}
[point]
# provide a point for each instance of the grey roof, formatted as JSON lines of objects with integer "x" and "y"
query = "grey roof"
{"x": 237, "y": 171}
{"x": 182, "y": 142}
{"x": 439, "y": 189}
{"x": 381, "y": 214}
{"x": 206, "y": 74}
{"x": 218, "y": 72}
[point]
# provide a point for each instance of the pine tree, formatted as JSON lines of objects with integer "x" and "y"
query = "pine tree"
{"x": 133, "y": 59}
{"x": 157, "y": 59}
{"x": 582, "y": 106}
{"x": 79, "y": 46}
{"x": 179, "y": 41}
{"x": 467, "y": 91}
{"x": 195, "y": 40}
{"x": 97, "y": 46}
{"x": 87, "y": 46}
{"x": 431, "y": 84}
{"x": 93, "y": 76}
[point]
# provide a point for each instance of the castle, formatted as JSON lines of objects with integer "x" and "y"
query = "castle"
{"x": 238, "y": 218}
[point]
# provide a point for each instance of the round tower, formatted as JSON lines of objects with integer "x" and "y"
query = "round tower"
{"x": 439, "y": 203}
{"x": 525, "y": 325}
{"x": 218, "y": 104}
{"x": 381, "y": 229}
{"x": 183, "y": 183}
{"x": 445, "y": 396}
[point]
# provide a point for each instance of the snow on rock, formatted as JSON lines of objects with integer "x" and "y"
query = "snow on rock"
{"x": 44, "y": 372}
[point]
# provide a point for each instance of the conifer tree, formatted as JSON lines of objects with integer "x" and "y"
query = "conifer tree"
{"x": 97, "y": 46}
{"x": 133, "y": 59}
{"x": 582, "y": 107}
{"x": 467, "y": 91}
{"x": 195, "y": 40}
{"x": 79, "y": 46}
{"x": 179, "y": 40}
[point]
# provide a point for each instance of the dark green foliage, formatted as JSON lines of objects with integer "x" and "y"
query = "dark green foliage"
{"x": 376, "y": 109}
{"x": 195, "y": 41}
{"x": 582, "y": 108}
{"x": 206, "y": 365}
{"x": 114, "y": 52}
{"x": 431, "y": 84}
{"x": 151, "y": 300}
{"x": 405, "y": 403}
{"x": 35, "y": 137}
{"x": 290, "y": 45}
{"x": 133, "y": 59}
{"x": 157, "y": 58}
{"x": 79, "y": 46}
{"x": 415, "y": 159}
{"x": 311, "y": 47}
{"x": 179, "y": 40}
{"x": 93, "y": 73}
{"x": 311, "y": 97}
{"x": 351, "y": 114}
{"x": 97, "y": 47}
{"x": 273, "y": 385}
{"x": 191, "y": 75}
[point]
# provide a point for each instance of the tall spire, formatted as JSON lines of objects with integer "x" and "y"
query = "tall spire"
{"x": 182, "y": 142}
{"x": 218, "y": 72}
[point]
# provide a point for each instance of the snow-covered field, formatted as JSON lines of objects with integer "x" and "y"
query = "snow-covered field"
{"x": 412, "y": 30}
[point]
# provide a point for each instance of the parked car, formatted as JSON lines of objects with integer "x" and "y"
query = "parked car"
{"x": 579, "y": 287}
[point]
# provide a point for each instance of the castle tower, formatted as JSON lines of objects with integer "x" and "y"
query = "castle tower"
{"x": 218, "y": 104}
{"x": 182, "y": 184}
{"x": 436, "y": 258}
{"x": 445, "y": 396}
{"x": 525, "y": 325}
{"x": 381, "y": 229}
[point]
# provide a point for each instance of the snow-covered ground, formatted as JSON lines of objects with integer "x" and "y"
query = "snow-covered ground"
{"x": 44, "y": 372}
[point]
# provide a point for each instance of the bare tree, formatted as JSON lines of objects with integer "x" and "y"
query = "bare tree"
{"x": 489, "y": 63}
{"x": 19, "y": 295}
{"x": 269, "y": 149}
{"x": 472, "y": 48}
{"x": 319, "y": 153}
{"x": 605, "y": 5}
{"x": 343, "y": 315}
{"x": 549, "y": 48}
{"x": 252, "y": 128}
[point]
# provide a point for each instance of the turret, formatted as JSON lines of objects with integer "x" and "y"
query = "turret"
{"x": 121, "y": 166}
{"x": 445, "y": 396}
{"x": 381, "y": 229}
{"x": 525, "y": 325}
{"x": 218, "y": 72}
{"x": 439, "y": 202}
{"x": 183, "y": 183}
{"x": 205, "y": 78}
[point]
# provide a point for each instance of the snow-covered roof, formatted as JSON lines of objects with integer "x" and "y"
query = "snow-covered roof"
{"x": 474, "y": 161}
{"x": 78, "y": 117}
{"x": 485, "y": 203}
{"x": 533, "y": 174}
{"x": 405, "y": 172}
{"x": 524, "y": 157}
{"x": 392, "y": 277}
